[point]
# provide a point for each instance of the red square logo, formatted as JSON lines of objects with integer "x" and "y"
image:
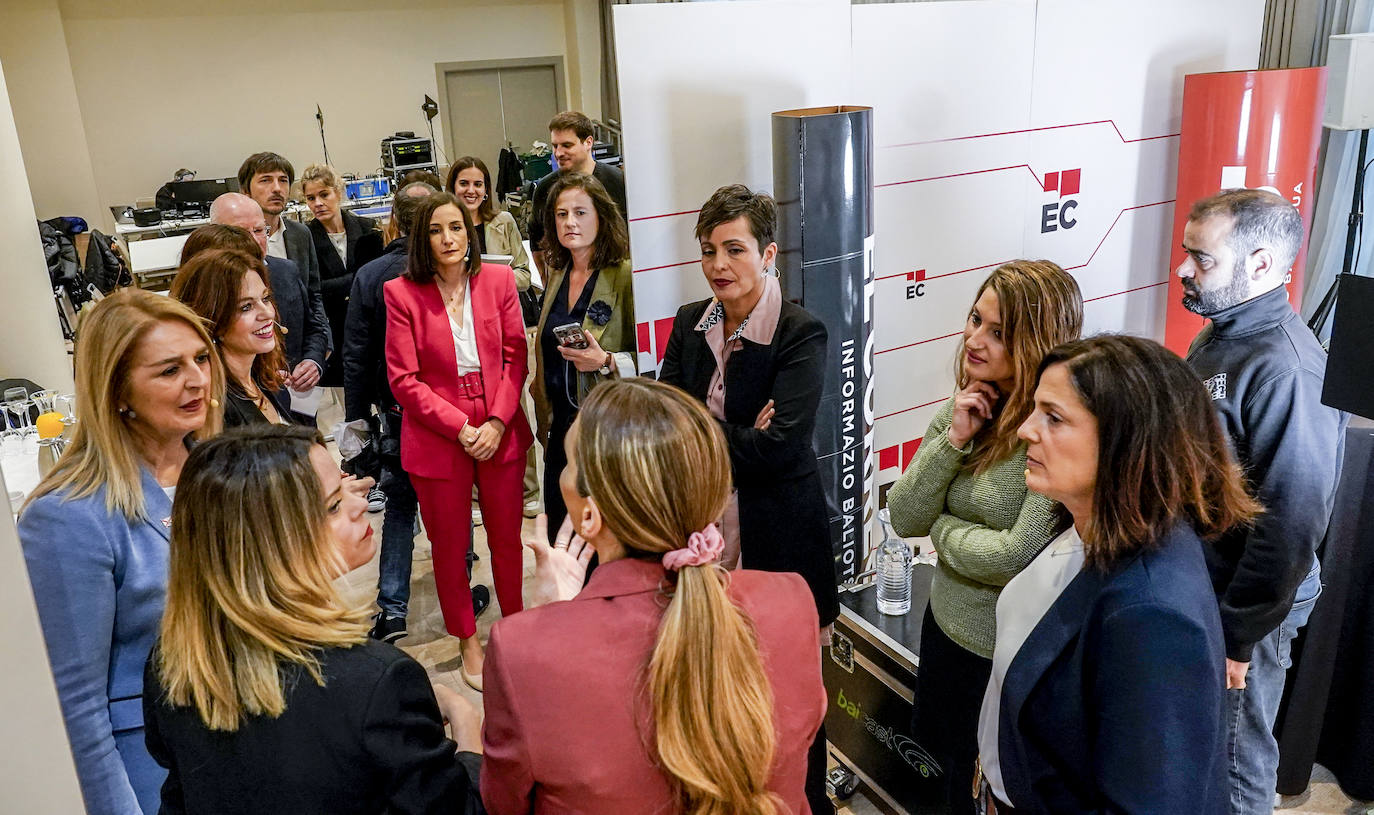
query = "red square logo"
{"x": 888, "y": 457}
{"x": 1051, "y": 182}
{"x": 1068, "y": 184}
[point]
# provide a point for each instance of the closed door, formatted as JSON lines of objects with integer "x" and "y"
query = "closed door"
{"x": 489, "y": 108}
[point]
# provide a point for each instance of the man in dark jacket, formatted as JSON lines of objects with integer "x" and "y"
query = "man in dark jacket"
{"x": 365, "y": 387}
{"x": 1264, "y": 370}
{"x": 307, "y": 340}
{"x": 573, "y": 137}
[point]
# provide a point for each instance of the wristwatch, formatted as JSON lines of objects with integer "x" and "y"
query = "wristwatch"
{"x": 605, "y": 369}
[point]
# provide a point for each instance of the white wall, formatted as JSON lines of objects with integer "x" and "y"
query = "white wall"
{"x": 36, "y": 771}
{"x": 166, "y": 84}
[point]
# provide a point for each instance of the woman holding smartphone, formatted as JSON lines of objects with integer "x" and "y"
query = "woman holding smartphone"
{"x": 966, "y": 489}
{"x": 587, "y": 328}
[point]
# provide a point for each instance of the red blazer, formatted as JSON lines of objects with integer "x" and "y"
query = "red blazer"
{"x": 423, "y": 369}
{"x": 566, "y": 720}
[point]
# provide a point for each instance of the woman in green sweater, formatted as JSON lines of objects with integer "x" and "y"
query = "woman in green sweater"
{"x": 966, "y": 488}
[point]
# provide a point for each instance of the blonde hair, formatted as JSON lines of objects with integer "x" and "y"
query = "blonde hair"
{"x": 1041, "y": 307}
{"x": 251, "y": 577}
{"x": 104, "y": 451}
{"x": 324, "y": 175}
{"x": 657, "y": 465}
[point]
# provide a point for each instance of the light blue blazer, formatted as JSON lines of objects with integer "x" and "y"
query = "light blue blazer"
{"x": 100, "y": 583}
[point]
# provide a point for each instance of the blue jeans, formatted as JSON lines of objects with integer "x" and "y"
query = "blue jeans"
{"x": 1253, "y": 752}
{"x": 398, "y": 541}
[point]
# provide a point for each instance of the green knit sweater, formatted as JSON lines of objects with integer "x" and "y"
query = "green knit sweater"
{"x": 986, "y": 528}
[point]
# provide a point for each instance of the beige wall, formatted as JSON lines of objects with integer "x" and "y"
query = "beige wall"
{"x": 36, "y": 772}
{"x": 42, "y": 94}
{"x": 582, "y": 22}
{"x": 166, "y": 84}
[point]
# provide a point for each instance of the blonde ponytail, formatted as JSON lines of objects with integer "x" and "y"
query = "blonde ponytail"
{"x": 713, "y": 705}
{"x": 657, "y": 465}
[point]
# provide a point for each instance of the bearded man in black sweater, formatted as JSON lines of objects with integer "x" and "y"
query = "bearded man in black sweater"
{"x": 1264, "y": 370}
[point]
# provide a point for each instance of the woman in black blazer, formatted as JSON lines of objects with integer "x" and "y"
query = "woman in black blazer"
{"x": 1108, "y": 683}
{"x": 343, "y": 243}
{"x": 758, "y": 362}
{"x": 268, "y": 696}
{"x": 773, "y": 355}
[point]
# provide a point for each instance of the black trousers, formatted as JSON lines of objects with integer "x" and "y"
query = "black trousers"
{"x": 950, "y": 684}
{"x": 555, "y": 459}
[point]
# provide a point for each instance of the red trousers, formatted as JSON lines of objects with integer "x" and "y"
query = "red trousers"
{"x": 445, "y": 507}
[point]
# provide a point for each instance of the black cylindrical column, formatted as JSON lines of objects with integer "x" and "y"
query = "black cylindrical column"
{"x": 823, "y": 182}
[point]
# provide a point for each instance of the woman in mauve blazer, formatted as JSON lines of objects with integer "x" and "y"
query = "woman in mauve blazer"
{"x": 664, "y": 669}
{"x": 1108, "y": 683}
{"x": 457, "y": 428}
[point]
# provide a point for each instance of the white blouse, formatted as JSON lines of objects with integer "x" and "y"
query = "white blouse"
{"x": 465, "y": 338}
{"x": 1023, "y": 603}
{"x": 340, "y": 241}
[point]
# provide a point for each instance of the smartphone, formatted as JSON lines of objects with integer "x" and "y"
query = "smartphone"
{"x": 570, "y": 336}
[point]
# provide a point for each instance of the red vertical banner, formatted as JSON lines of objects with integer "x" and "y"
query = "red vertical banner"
{"x": 1256, "y": 129}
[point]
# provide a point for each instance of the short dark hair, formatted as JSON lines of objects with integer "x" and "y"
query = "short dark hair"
{"x": 1162, "y": 456}
{"x": 612, "y": 242}
{"x": 487, "y": 209}
{"x": 1262, "y": 220}
{"x": 404, "y": 206}
{"x": 420, "y": 265}
{"x": 738, "y": 201}
{"x": 219, "y": 236}
{"x": 573, "y": 120}
{"x": 264, "y": 163}
{"x": 426, "y": 176}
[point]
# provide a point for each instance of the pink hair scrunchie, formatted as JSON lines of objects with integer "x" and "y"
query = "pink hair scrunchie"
{"x": 702, "y": 547}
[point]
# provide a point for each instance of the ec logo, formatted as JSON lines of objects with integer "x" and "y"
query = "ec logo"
{"x": 1059, "y": 215}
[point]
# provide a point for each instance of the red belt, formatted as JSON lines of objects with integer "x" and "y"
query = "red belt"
{"x": 470, "y": 385}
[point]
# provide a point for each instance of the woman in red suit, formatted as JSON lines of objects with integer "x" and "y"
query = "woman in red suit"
{"x": 693, "y": 690}
{"x": 456, "y": 360}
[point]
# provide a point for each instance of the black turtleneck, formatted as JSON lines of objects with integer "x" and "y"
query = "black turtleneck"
{"x": 1264, "y": 370}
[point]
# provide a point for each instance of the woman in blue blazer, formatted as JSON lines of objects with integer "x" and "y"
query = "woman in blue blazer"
{"x": 1108, "y": 683}
{"x": 95, "y": 531}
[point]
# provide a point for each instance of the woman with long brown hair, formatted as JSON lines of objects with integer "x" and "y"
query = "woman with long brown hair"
{"x": 231, "y": 291}
{"x": 586, "y": 331}
{"x": 666, "y": 684}
{"x": 1108, "y": 682}
{"x": 264, "y": 692}
{"x": 497, "y": 233}
{"x": 965, "y": 489}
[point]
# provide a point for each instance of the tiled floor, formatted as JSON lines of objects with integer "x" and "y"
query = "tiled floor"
{"x": 428, "y": 643}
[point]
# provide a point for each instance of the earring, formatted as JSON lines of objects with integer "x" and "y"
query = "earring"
{"x": 128, "y": 413}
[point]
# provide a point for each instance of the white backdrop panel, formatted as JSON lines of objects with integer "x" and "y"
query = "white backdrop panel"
{"x": 977, "y": 105}
{"x": 697, "y": 84}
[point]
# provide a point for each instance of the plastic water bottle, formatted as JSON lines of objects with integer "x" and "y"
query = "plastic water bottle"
{"x": 894, "y": 570}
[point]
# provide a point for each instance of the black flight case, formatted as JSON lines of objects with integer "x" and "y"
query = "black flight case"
{"x": 870, "y": 675}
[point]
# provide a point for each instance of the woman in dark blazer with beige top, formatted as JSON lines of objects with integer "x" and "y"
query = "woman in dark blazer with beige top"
{"x": 588, "y": 300}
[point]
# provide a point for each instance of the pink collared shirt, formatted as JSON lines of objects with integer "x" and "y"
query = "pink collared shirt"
{"x": 759, "y": 328}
